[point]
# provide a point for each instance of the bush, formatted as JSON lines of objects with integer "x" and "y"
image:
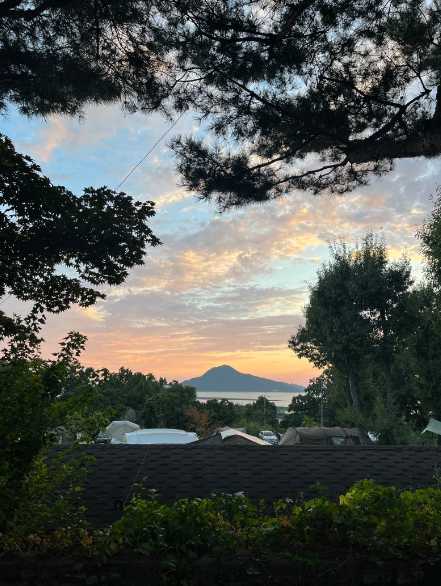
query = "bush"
{"x": 370, "y": 520}
{"x": 49, "y": 513}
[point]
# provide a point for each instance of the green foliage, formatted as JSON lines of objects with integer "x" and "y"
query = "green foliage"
{"x": 352, "y": 311}
{"x": 50, "y": 496}
{"x": 321, "y": 79}
{"x": 370, "y": 520}
{"x": 35, "y": 405}
{"x": 49, "y": 515}
{"x": 192, "y": 526}
{"x": 385, "y": 519}
{"x": 430, "y": 236}
{"x": 262, "y": 412}
{"x": 310, "y": 405}
{"x": 27, "y": 392}
{"x": 379, "y": 340}
{"x": 220, "y": 412}
{"x": 417, "y": 366}
{"x": 124, "y": 390}
{"x": 168, "y": 404}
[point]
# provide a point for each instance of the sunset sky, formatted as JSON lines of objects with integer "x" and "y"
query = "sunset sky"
{"x": 223, "y": 288}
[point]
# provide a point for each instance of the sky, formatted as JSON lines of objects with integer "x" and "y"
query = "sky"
{"x": 224, "y": 288}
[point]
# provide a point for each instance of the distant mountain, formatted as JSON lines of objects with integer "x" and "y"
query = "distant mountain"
{"x": 226, "y": 378}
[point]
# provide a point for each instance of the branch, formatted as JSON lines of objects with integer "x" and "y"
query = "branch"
{"x": 361, "y": 92}
{"x": 330, "y": 167}
{"x": 271, "y": 162}
{"x": 253, "y": 94}
{"x": 384, "y": 129}
{"x": 427, "y": 144}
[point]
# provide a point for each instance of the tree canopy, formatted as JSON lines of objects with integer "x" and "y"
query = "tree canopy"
{"x": 378, "y": 338}
{"x": 56, "y": 248}
{"x": 314, "y": 94}
{"x": 353, "y": 311}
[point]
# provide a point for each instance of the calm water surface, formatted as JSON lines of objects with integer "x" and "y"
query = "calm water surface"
{"x": 281, "y": 399}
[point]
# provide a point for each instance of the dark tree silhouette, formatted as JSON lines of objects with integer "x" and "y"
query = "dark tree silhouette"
{"x": 55, "y": 247}
{"x": 355, "y": 311}
{"x": 319, "y": 94}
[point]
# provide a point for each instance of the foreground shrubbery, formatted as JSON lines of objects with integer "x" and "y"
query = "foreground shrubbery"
{"x": 380, "y": 521}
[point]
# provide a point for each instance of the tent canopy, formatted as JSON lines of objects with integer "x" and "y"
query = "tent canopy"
{"x": 118, "y": 429}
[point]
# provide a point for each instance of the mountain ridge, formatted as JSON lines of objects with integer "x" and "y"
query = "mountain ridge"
{"x": 226, "y": 378}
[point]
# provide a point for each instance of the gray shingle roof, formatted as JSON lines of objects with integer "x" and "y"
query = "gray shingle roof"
{"x": 261, "y": 473}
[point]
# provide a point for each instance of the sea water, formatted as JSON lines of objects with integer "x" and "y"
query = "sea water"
{"x": 281, "y": 399}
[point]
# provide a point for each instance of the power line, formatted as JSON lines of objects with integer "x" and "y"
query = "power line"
{"x": 151, "y": 149}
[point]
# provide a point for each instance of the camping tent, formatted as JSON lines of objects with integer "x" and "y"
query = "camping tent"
{"x": 160, "y": 436}
{"x": 333, "y": 436}
{"x": 118, "y": 429}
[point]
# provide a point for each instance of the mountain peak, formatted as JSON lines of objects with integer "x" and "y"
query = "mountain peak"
{"x": 222, "y": 367}
{"x": 226, "y": 378}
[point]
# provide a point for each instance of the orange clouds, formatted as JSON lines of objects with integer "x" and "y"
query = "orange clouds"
{"x": 180, "y": 359}
{"x": 223, "y": 288}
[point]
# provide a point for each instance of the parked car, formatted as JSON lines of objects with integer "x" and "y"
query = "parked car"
{"x": 269, "y": 436}
{"x": 103, "y": 438}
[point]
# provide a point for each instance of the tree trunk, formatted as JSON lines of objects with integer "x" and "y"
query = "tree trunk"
{"x": 353, "y": 391}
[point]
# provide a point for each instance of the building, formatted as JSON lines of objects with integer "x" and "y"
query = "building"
{"x": 267, "y": 473}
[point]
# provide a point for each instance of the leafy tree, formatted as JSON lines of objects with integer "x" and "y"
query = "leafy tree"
{"x": 430, "y": 236}
{"x": 126, "y": 390}
{"x": 220, "y": 412}
{"x": 319, "y": 94}
{"x": 96, "y": 237}
{"x": 197, "y": 420}
{"x": 313, "y": 404}
{"x": 57, "y": 54}
{"x": 417, "y": 365}
{"x": 263, "y": 412}
{"x": 168, "y": 405}
{"x": 354, "y": 313}
{"x": 33, "y": 407}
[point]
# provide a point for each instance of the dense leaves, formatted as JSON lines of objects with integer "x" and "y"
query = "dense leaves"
{"x": 354, "y": 310}
{"x": 313, "y": 407}
{"x": 50, "y": 53}
{"x": 371, "y": 521}
{"x": 430, "y": 236}
{"x": 379, "y": 339}
{"x": 317, "y": 95}
{"x": 37, "y": 410}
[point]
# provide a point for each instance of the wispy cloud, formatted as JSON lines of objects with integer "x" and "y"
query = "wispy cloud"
{"x": 222, "y": 288}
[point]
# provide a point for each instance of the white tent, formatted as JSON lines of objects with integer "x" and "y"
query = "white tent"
{"x": 229, "y": 431}
{"x": 118, "y": 429}
{"x": 434, "y": 426}
{"x": 160, "y": 436}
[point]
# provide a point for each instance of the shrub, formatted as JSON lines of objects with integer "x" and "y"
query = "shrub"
{"x": 369, "y": 520}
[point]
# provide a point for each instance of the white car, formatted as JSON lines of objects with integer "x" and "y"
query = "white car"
{"x": 269, "y": 436}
